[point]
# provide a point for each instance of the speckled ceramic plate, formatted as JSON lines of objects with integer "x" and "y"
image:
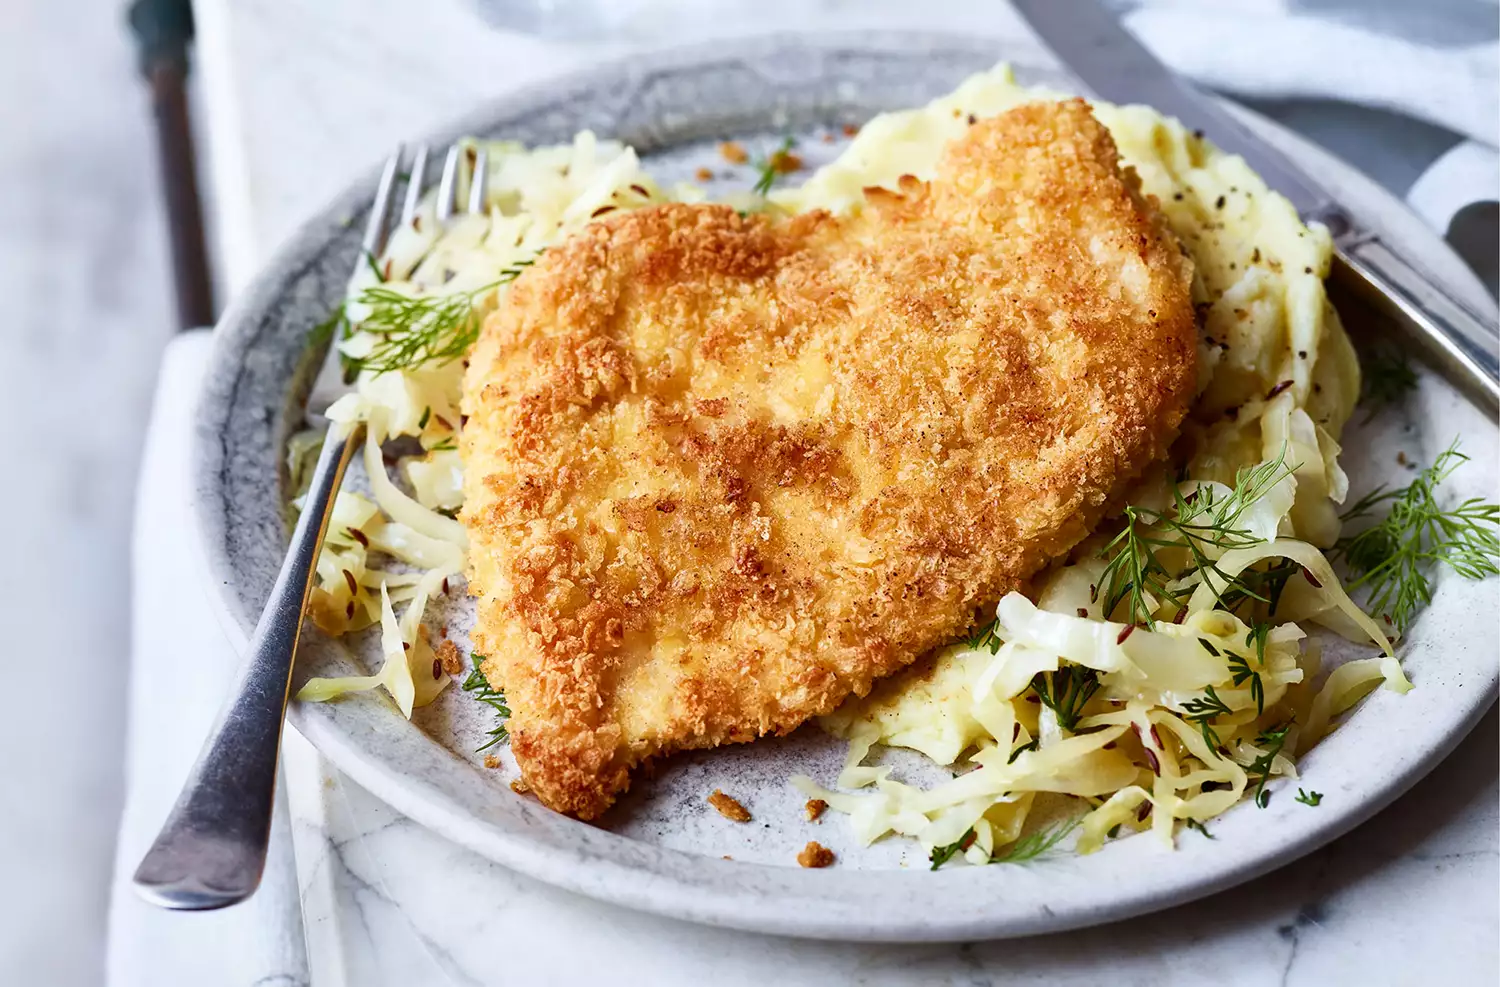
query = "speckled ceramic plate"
{"x": 663, "y": 850}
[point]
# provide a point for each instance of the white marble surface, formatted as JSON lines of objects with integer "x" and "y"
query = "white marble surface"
{"x": 259, "y": 943}
{"x": 301, "y": 97}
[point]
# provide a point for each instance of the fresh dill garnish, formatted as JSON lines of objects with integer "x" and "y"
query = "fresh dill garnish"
{"x": 1388, "y": 377}
{"x": 1393, "y": 559}
{"x": 1065, "y": 692}
{"x": 1273, "y": 741}
{"x": 1309, "y": 798}
{"x": 1023, "y": 850}
{"x": 410, "y": 331}
{"x": 987, "y": 637}
{"x": 478, "y": 686}
{"x": 1197, "y": 522}
{"x": 1240, "y": 670}
{"x": 1030, "y": 745}
{"x": 771, "y": 167}
{"x": 1200, "y": 711}
{"x": 426, "y": 416}
{"x": 1265, "y": 584}
{"x": 444, "y": 444}
{"x": 1195, "y": 824}
{"x": 1036, "y": 843}
{"x": 374, "y": 266}
{"x": 940, "y": 855}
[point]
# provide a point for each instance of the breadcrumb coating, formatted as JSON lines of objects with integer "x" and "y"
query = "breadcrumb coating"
{"x": 724, "y": 471}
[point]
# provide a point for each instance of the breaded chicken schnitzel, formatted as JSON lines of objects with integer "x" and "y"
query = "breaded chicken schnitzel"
{"x": 724, "y": 471}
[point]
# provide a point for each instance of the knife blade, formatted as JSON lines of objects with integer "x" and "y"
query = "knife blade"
{"x": 1461, "y": 342}
{"x": 1117, "y": 67}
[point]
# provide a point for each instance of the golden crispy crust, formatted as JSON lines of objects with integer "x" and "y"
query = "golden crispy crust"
{"x": 723, "y": 472}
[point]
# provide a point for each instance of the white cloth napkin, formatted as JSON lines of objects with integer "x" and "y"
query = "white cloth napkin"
{"x": 182, "y": 663}
{"x": 1266, "y": 50}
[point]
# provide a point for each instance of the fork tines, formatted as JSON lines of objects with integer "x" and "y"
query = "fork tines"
{"x": 378, "y": 227}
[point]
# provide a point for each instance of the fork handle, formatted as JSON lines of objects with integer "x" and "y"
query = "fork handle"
{"x": 212, "y": 849}
{"x": 1461, "y": 342}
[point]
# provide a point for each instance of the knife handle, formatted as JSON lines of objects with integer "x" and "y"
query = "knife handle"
{"x": 1461, "y": 342}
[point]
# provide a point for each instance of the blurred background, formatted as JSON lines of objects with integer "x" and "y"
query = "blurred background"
{"x": 86, "y": 264}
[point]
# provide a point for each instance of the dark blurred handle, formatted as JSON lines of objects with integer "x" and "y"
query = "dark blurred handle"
{"x": 164, "y": 30}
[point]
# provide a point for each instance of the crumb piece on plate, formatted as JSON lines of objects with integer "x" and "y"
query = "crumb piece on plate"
{"x": 733, "y": 152}
{"x": 850, "y": 130}
{"x": 519, "y": 786}
{"x": 814, "y": 809}
{"x": 815, "y": 854}
{"x": 728, "y": 807}
{"x": 491, "y": 761}
{"x": 727, "y": 857}
{"x": 704, "y": 175}
{"x": 785, "y": 162}
{"x": 447, "y": 653}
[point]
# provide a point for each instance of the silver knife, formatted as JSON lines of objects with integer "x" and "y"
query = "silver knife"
{"x": 1461, "y": 343}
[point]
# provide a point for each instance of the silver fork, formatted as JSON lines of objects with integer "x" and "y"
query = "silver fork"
{"x": 212, "y": 849}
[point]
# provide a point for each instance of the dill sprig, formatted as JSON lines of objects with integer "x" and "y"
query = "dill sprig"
{"x": 1394, "y": 558}
{"x": 1273, "y": 741}
{"x": 986, "y": 637}
{"x": 940, "y": 855}
{"x": 1027, "y": 848}
{"x": 1195, "y": 824}
{"x": 1066, "y": 691}
{"x": 410, "y": 331}
{"x": 1036, "y": 843}
{"x": 1309, "y": 798}
{"x": 1200, "y": 522}
{"x": 771, "y": 167}
{"x": 374, "y": 265}
{"x": 1240, "y": 669}
{"x": 1201, "y": 711}
{"x": 1265, "y": 585}
{"x": 1388, "y": 377}
{"x": 1030, "y": 745}
{"x": 478, "y": 686}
